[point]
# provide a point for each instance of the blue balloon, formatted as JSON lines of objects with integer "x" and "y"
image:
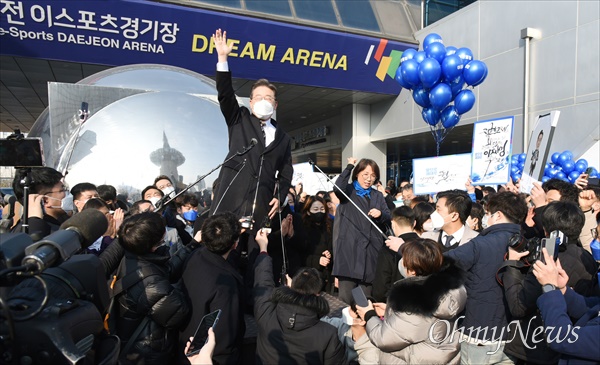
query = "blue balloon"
{"x": 583, "y": 162}
{"x": 568, "y": 166}
{"x": 436, "y": 51}
{"x": 421, "y": 96}
{"x": 464, "y": 101}
{"x": 420, "y": 56}
{"x": 429, "y": 72}
{"x": 410, "y": 72}
{"x": 562, "y": 158}
{"x": 456, "y": 86}
{"x": 450, "y": 117}
{"x": 573, "y": 175}
{"x": 452, "y": 67}
{"x": 465, "y": 55}
{"x": 555, "y": 157}
{"x": 450, "y": 50}
{"x": 569, "y": 154}
{"x": 545, "y": 178}
{"x": 431, "y": 116}
{"x": 474, "y": 72}
{"x": 521, "y": 165}
{"x": 561, "y": 175}
{"x": 409, "y": 54}
{"x": 400, "y": 79}
{"x": 517, "y": 177}
{"x": 440, "y": 96}
{"x": 553, "y": 173}
{"x": 580, "y": 166}
{"x": 522, "y": 157}
{"x": 432, "y": 38}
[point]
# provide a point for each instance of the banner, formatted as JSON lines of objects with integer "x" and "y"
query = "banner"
{"x": 121, "y": 32}
{"x": 434, "y": 174}
{"x": 492, "y": 148}
{"x": 537, "y": 150}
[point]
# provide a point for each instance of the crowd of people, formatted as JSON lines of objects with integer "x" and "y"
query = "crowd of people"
{"x": 454, "y": 277}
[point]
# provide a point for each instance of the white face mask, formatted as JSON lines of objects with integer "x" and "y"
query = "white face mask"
{"x": 437, "y": 220}
{"x": 154, "y": 200}
{"x": 263, "y": 109}
{"x": 169, "y": 191}
{"x": 402, "y": 269}
{"x": 428, "y": 226}
{"x": 66, "y": 203}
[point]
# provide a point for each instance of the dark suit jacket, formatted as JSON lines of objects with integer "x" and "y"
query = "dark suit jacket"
{"x": 238, "y": 195}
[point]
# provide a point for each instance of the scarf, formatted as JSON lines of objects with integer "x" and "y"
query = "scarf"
{"x": 360, "y": 191}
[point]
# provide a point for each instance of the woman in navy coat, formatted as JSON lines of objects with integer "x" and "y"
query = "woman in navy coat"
{"x": 356, "y": 242}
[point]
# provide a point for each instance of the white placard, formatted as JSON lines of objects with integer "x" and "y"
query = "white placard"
{"x": 492, "y": 148}
{"x": 301, "y": 170}
{"x": 434, "y": 174}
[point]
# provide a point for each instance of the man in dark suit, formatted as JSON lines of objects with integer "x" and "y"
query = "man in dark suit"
{"x": 261, "y": 166}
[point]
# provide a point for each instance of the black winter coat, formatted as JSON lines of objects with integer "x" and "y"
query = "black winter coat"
{"x": 155, "y": 297}
{"x": 356, "y": 243}
{"x": 522, "y": 290}
{"x": 387, "y": 272}
{"x": 242, "y": 127}
{"x": 212, "y": 283}
{"x": 289, "y": 329}
{"x": 318, "y": 240}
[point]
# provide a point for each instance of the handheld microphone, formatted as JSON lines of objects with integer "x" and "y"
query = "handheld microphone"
{"x": 78, "y": 232}
{"x": 253, "y": 142}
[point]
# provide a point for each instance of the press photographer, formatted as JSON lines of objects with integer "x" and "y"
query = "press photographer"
{"x": 522, "y": 289}
{"x": 52, "y": 315}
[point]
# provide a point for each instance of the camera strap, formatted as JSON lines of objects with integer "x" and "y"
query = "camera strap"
{"x": 513, "y": 263}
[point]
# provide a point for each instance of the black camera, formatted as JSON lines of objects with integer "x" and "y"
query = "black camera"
{"x": 534, "y": 245}
{"x": 521, "y": 244}
{"x": 246, "y": 222}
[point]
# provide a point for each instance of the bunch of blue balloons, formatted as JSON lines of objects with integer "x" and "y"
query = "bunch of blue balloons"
{"x": 561, "y": 167}
{"x": 437, "y": 76}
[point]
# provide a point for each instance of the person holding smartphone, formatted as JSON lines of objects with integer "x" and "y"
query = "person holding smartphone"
{"x": 522, "y": 289}
{"x": 558, "y": 304}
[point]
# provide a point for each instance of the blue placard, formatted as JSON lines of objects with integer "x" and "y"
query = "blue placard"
{"x": 127, "y": 32}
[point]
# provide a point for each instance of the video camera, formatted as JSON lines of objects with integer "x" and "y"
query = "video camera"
{"x": 534, "y": 245}
{"x": 52, "y": 299}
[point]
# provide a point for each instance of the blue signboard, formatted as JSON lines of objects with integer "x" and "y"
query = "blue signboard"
{"x": 126, "y": 32}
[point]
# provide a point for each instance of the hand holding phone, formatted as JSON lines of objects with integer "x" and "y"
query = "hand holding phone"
{"x": 201, "y": 336}
{"x": 359, "y": 297}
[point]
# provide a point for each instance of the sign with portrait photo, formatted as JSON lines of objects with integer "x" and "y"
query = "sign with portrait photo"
{"x": 537, "y": 150}
{"x": 492, "y": 147}
{"x": 434, "y": 174}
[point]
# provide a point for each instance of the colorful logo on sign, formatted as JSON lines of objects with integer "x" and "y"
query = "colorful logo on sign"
{"x": 387, "y": 64}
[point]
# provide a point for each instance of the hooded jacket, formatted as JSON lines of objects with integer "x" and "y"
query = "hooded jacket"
{"x": 419, "y": 318}
{"x": 289, "y": 326}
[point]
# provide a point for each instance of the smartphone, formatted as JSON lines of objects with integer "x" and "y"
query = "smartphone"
{"x": 552, "y": 243}
{"x": 201, "y": 335}
{"x": 588, "y": 171}
{"x": 359, "y": 297}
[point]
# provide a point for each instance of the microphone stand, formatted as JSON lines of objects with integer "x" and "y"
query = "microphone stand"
{"x": 284, "y": 256}
{"x": 350, "y": 200}
{"x": 162, "y": 204}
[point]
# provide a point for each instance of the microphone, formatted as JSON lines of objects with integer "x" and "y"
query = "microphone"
{"x": 253, "y": 142}
{"x": 76, "y": 233}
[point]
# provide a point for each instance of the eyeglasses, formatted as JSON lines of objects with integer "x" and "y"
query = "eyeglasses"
{"x": 268, "y": 98}
{"x": 63, "y": 190}
{"x": 366, "y": 176}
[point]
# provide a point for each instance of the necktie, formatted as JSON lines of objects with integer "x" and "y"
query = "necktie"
{"x": 262, "y": 128}
{"x": 449, "y": 239}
